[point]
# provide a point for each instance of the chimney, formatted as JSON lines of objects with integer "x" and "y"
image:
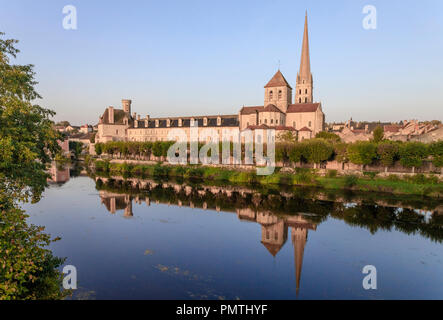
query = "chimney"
{"x": 126, "y": 105}
{"x": 111, "y": 115}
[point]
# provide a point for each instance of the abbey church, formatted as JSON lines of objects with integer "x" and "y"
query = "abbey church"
{"x": 300, "y": 116}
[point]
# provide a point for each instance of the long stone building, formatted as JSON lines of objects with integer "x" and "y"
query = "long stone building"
{"x": 302, "y": 116}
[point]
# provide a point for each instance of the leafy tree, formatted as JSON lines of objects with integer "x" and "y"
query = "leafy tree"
{"x": 76, "y": 147}
{"x": 296, "y": 154}
{"x": 436, "y": 151}
{"x": 28, "y": 142}
{"x": 378, "y": 134}
{"x": 328, "y": 136}
{"x": 412, "y": 154}
{"x": 317, "y": 150}
{"x": 287, "y": 136}
{"x": 340, "y": 151}
{"x": 98, "y": 148}
{"x": 362, "y": 152}
{"x": 387, "y": 153}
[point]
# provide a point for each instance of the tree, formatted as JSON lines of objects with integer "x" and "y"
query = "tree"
{"x": 412, "y": 154}
{"x": 436, "y": 151}
{"x": 318, "y": 150}
{"x": 362, "y": 152}
{"x": 328, "y": 136}
{"x": 28, "y": 142}
{"x": 63, "y": 123}
{"x": 387, "y": 153}
{"x": 378, "y": 134}
{"x": 98, "y": 148}
{"x": 287, "y": 136}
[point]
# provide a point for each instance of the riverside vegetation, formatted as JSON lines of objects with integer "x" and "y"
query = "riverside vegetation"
{"x": 28, "y": 143}
{"x": 325, "y": 147}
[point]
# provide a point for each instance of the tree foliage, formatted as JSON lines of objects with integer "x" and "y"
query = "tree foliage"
{"x": 28, "y": 142}
{"x": 362, "y": 152}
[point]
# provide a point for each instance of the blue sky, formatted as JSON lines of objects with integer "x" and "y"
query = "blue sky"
{"x": 208, "y": 57}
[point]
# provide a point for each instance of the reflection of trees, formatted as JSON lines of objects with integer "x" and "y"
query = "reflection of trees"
{"x": 364, "y": 214}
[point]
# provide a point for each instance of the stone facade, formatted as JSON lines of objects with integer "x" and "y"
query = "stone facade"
{"x": 304, "y": 119}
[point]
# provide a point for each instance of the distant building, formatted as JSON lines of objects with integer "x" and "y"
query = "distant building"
{"x": 303, "y": 117}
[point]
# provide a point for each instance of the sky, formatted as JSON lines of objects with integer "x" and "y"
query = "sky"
{"x": 182, "y": 58}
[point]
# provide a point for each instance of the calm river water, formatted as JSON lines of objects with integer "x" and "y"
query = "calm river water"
{"x": 146, "y": 239}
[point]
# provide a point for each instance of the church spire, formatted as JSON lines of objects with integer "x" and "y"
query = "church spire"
{"x": 305, "y": 64}
{"x": 304, "y": 87}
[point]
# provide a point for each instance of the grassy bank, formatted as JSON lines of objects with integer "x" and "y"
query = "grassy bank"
{"x": 416, "y": 185}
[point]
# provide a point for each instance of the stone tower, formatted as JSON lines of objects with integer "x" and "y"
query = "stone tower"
{"x": 278, "y": 92}
{"x": 126, "y": 105}
{"x": 304, "y": 87}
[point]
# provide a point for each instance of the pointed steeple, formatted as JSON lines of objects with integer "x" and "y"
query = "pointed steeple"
{"x": 305, "y": 84}
{"x": 305, "y": 63}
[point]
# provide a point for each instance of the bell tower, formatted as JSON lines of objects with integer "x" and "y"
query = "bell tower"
{"x": 304, "y": 87}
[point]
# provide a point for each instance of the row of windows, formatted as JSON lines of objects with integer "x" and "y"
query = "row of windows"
{"x": 266, "y": 121}
{"x": 306, "y": 91}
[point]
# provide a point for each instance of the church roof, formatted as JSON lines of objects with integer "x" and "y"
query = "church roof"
{"x": 250, "y": 110}
{"x": 272, "y": 248}
{"x": 266, "y": 127}
{"x": 271, "y": 108}
{"x": 303, "y": 107}
{"x": 305, "y": 129}
{"x": 278, "y": 80}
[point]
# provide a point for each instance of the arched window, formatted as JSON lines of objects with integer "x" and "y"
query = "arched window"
{"x": 310, "y": 123}
{"x": 271, "y": 95}
{"x": 299, "y": 91}
{"x": 299, "y": 100}
{"x": 272, "y": 121}
{"x": 279, "y": 94}
{"x": 306, "y": 91}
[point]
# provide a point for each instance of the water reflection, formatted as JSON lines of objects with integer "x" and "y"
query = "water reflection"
{"x": 274, "y": 212}
{"x": 59, "y": 173}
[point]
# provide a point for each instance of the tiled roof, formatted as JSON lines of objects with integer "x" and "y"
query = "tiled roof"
{"x": 303, "y": 107}
{"x": 305, "y": 129}
{"x": 278, "y": 80}
{"x": 391, "y": 128}
{"x": 271, "y": 108}
{"x": 251, "y": 110}
{"x": 266, "y": 127}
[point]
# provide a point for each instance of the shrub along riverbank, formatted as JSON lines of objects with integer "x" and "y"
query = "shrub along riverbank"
{"x": 418, "y": 184}
{"x": 325, "y": 147}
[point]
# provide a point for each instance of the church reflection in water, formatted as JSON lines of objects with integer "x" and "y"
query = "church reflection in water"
{"x": 59, "y": 174}
{"x": 274, "y": 227}
{"x": 278, "y": 210}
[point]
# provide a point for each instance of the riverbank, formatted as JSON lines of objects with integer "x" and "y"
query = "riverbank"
{"x": 418, "y": 184}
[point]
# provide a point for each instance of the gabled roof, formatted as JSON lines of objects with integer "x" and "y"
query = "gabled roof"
{"x": 278, "y": 80}
{"x": 271, "y": 108}
{"x": 303, "y": 107}
{"x": 250, "y": 110}
{"x": 272, "y": 248}
{"x": 305, "y": 129}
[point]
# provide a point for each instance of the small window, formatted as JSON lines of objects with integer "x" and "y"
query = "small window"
{"x": 310, "y": 123}
{"x": 279, "y": 94}
{"x": 299, "y": 100}
{"x": 266, "y": 120}
{"x": 272, "y": 121}
{"x": 271, "y": 95}
{"x": 306, "y": 91}
{"x": 276, "y": 121}
{"x": 299, "y": 91}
